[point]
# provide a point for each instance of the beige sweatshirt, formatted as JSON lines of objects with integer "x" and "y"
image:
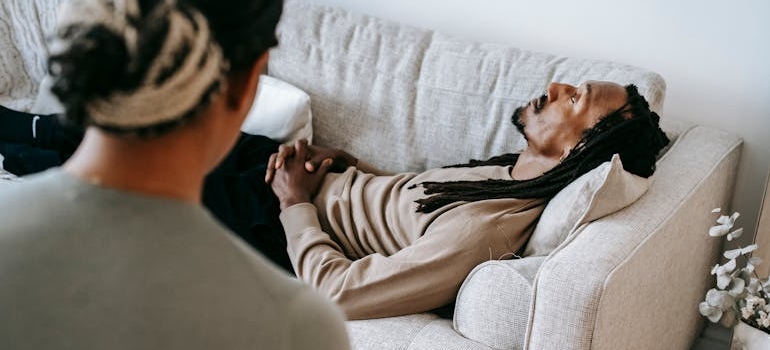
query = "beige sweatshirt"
{"x": 367, "y": 248}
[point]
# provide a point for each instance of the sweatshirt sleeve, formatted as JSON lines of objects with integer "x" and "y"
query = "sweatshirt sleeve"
{"x": 420, "y": 277}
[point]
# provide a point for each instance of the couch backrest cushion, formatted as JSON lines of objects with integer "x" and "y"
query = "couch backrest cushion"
{"x": 407, "y": 99}
{"x": 24, "y": 26}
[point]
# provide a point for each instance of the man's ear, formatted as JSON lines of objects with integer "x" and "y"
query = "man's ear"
{"x": 242, "y": 85}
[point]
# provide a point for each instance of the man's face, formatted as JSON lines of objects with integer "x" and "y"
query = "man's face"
{"x": 555, "y": 122}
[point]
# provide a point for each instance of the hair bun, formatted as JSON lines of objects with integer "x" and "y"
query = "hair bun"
{"x": 93, "y": 62}
{"x": 126, "y": 68}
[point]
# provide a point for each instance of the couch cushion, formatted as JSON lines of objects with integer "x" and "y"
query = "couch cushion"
{"x": 24, "y": 26}
{"x": 598, "y": 193}
{"x": 408, "y": 99}
{"x": 493, "y": 303}
{"x": 410, "y": 332}
{"x": 387, "y": 333}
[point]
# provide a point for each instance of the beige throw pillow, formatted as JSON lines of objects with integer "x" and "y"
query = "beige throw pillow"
{"x": 598, "y": 193}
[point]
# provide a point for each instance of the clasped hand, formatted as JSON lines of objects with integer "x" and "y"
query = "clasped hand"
{"x": 296, "y": 171}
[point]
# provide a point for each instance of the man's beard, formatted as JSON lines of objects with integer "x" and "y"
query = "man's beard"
{"x": 537, "y": 107}
{"x": 516, "y": 120}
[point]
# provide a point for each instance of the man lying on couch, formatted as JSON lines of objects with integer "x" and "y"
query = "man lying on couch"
{"x": 398, "y": 244}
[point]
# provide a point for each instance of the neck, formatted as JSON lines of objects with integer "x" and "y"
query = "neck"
{"x": 167, "y": 166}
{"x": 532, "y": 164}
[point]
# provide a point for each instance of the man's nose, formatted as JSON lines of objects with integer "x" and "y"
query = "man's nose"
{"x": 555, "y": 90}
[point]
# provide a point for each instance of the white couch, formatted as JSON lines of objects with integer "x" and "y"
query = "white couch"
{"x": 407, "y": 99}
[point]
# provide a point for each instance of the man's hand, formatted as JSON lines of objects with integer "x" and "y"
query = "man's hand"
{"x": 314, "y": 156}
{"x": 292, "y": 183}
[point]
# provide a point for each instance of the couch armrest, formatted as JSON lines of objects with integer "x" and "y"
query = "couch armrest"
{"x": 637, "y": 276}
{"x": 492, "y": 305}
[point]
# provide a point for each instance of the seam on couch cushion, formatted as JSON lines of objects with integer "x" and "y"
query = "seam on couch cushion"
{"x": 419, "y": 333}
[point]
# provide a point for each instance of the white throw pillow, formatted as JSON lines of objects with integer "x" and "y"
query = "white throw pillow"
{"x": 598, "y": 193}
{"x": 281, "y": 112}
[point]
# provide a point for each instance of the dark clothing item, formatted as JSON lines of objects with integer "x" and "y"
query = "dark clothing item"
{"x": 31, "y": 143}
{"x": 23, "y": 159}
{"x": 235, "y": 192}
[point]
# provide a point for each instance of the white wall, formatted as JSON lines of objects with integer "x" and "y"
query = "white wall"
{"x": 714, "y": 55}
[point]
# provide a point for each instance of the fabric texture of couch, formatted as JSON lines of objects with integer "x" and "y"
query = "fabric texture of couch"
{"x": 408, "y": 99}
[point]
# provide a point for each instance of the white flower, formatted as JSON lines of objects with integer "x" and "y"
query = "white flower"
{"x": 753, "y": 300}
{"x": 747, "y": 311}
{"x": 764, "y": 319}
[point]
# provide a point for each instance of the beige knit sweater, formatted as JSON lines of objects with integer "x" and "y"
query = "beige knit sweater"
{"x": 363, "y": 244}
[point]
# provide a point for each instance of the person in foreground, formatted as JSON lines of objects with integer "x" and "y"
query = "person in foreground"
{"x": 114, "y": 250}
{"x": 398, "y": 244}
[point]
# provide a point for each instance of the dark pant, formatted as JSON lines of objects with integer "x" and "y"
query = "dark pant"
{"x": 235, "y": 192}
{"x": 31, "y": 143}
